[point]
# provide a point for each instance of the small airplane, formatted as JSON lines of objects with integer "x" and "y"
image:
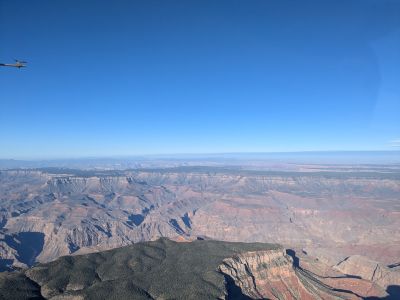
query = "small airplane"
{"x": 18, "y": 64}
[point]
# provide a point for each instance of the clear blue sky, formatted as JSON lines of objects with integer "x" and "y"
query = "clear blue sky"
{"x": 147, "y": 77}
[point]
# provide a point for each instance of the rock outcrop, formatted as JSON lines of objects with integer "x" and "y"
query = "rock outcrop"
{"x": 272, "y": 275}
{"x": 357, "y": 265}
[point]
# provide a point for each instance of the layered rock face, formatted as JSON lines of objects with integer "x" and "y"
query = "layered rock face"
{"x": 271, "y": 275}
{"x": 264, "y": 274}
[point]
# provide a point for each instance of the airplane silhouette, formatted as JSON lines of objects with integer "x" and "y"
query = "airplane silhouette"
{"x": 18, "y": 64}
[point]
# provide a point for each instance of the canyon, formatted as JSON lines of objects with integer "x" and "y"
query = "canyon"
{"x": 338, "y": 222}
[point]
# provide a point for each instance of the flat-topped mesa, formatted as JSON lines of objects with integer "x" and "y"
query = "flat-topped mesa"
{"x": 161, "y": 269}
{"x": 165, "y": 269}
{"x": 270, "y": 274}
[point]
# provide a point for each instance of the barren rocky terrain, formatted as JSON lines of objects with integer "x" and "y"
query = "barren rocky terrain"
{"x": 339, "y": 220}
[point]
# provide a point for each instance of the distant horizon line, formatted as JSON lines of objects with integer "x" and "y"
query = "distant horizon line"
{"x": 197, "y": 154}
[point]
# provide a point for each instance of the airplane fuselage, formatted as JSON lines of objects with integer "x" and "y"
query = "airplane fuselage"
{"x": 13, "y": 65}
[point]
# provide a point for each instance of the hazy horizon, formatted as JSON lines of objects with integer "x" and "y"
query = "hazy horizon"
{"x": 255, "y": 159}
{"x": 201, "y": 154}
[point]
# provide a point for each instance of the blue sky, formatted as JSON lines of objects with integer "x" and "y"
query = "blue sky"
{"x": 150, "y": 77}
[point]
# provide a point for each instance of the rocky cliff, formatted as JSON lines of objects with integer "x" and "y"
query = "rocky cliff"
{"x": 272, "y": 275}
